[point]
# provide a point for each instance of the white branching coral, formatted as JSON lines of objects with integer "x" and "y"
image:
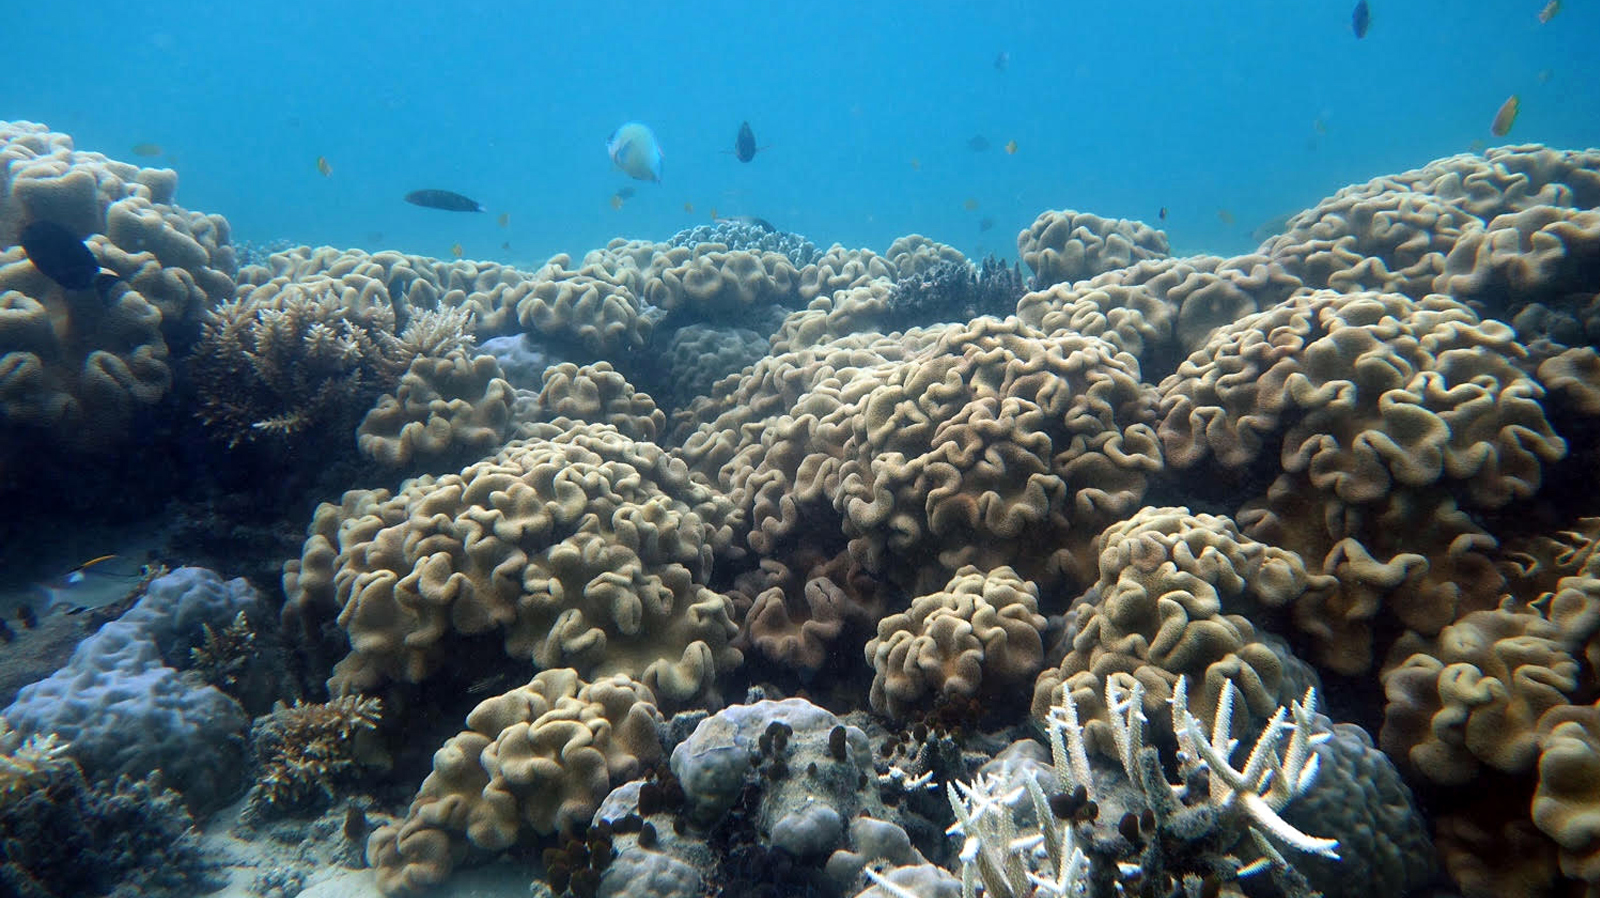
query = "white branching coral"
{"x": 1066, "y": 854}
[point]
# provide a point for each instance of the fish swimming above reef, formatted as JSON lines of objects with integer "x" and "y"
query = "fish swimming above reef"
{"x": 147, "y": 149}
{"x": 1361, "y": 19}
{"x": 1506, "y": 116}
{"x": 324, "y": 167}
{"x": 62, "y": 257}
{"x": 978, "y": 143}
{"x": 1549, "y": 11}
{"x": 448, "y": 200}
{"x": 744, "y": 144}
{"x": 761, "y": 223}
{"x": 1011, "y": 148}
{"x": 1002, "y": 61}
{"x": 633, "y": 150}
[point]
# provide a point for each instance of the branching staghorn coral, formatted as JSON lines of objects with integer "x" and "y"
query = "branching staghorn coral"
{"x": 305, "y": 750}
{"x": 1183, "y": 838}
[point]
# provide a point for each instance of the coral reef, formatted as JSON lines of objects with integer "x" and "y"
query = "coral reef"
{"x": 749, "y": 237}
{"x": 444, "y": 408}
{"x": 304, "y": 753}
{"x": 1066, "y": 246}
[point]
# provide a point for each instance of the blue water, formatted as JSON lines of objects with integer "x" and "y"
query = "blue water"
{"x": 1234, "y": 111}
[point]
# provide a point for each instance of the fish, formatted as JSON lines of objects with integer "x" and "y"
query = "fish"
{"x": 1549, "y": 11}
{"x": 1272, "y": 227}
{"x": 970, "y": 204}
{"x": 916, "y": 164}
{"x": 447, "y": 200}
{"x": 504, "y": 219}
{"x": 1226, "y": 217}
{"x": 626, "y": 191}
{"x": 634, "y": 150}
{"x": 93, "y": 583}
{"x": 1162, "y": 214}
{"x": 1002, "y": 61}
{"x": 1544, "y": 76}
{"x": 744, "y": 145}
{"x": 323, "y": 167}
{"x": 1506, "y": 116}
{"x": 1319, "y": 125}
{"x": 1361, "y": 19}
{"x": 713, "y": 213}
{"x": 985, "y": 223}
{"x": 62, "y": 257}
{"x": 761, "y": 223}
{"x": 978, "y": 143}
{"x": 28, "y": 616}
{"x": 688, "y": 207}
{"x": 147, "y": 149}
{"x": 455, "y": 250}
{"x": 506, "y": 245}
{"x": 1011, "y": 148}
{"x": 1477, "y": 145}
{"x": 616, "y": 201}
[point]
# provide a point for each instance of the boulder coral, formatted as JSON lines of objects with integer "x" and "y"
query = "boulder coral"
{"x": 443, "y": 407}
{"x": 1065, "y": 246}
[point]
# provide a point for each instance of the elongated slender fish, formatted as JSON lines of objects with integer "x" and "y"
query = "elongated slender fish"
{"x": 448, "y": 200}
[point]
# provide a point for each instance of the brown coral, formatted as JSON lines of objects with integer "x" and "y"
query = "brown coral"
{"x": 587, "y": 549}
{"x": 711, "y": 280}
{"x": 1067, "y": 246}
{"x": 596, "y": 394}
{"x": 1169, "y": 602}
{"x": 303, "y": 751}
{"x": 442, "y": 408}
{"x": 536, "y": 759}
{"x": 979, "y": 635}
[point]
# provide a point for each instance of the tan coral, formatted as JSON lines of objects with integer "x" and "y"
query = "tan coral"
{"x": 1473, "y": 696}
{"x": 586, "y": 549}
{"x": 442, "y": 408}
{"x": 841, "y": 269}
{"x": 1170, "y": 601}
{"x": 710, "y": 280}
{"x": 993, "y": 432}
{"x": 589, "y": 309}
{"x": 1067, "y": 246}
{"x": 797, "y": 613}
{"x": 1565, "y": 803}
{"x": 914, "y": 254}
{"x": 1573, "y": 379}
{"x": 597, "y": 394}
{"x": 538, "y": 759}
{"x": 980, "y": 635}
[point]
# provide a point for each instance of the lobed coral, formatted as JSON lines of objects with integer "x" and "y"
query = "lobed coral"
{"x": 538, "y": 758}
{"x": 980, "y": 635}
{"x": 1066, "y": 246}
{"x": 586, "y": 549}
{"x": 443, "y": 407}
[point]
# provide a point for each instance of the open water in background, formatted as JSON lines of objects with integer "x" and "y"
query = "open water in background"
{"x": 1117, "y": 108}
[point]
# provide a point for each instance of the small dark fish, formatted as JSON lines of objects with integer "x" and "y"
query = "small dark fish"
{"x": 63, "y": 258}
{"x": 761, "y": 223}
{"x": 744, "y": 145}
{"x": 506, "y": 245}
{"x": 147, "y": 149}
{"x": 626, "y": 191}
{"x": 1162, "y": 214}
{"x": 1361, "y": 19}
{"x": 978, "y": 143}
{"x": 28, "y": 616}
{"x": 1002, "y": 61}
{"x": 985, "y": 223}
{"x": 447, "y": 200}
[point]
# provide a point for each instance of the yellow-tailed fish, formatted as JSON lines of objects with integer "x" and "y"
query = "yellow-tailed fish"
{"x": 455, "y": 250}
{"x": 504, "y": 219}
{"x": 1226, "y": 217}
{"x": 1011, "y": 148}
{"x": 970, "y": 204}
{"x": 616, "y": 201}
{"x": 1506, "y": 116}
{"x": 147, "y": 149}
{"x": 688, "y": 207}
{"x": 323, "y": 167}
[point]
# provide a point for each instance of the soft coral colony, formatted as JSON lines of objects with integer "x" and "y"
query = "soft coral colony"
{"x": 740, "y": 566}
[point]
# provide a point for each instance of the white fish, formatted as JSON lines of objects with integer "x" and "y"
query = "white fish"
{"x": 634, "y": 150}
